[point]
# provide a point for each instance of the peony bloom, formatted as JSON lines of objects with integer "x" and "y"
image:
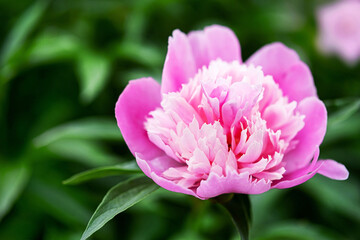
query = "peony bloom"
{"x": 340, "y": 29}
{"x": 217, "y": 125}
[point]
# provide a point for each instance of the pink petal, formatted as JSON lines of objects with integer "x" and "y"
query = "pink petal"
{"x": 300, "y": 175}
{"x": 179, "y": 64}
{"x": 298, "y": 82}
{"x": 310, "y": 136}
{"x": 135, "y": 102}
{"x": 187, "y": 54}
{"x": 153, "y": 168}
{"x": 233, "y": 183}
{"x": 334, "y": 170}
{"x": 212, "y": 43}
{"x": 285, "y": 66}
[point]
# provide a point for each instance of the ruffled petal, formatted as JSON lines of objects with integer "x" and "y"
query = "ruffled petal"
{"x": 310, "y": 137}
{"x": 134, "y": 104}
{"x": 187, "y": 54}
{"x": 284, "y": 65}
{"x": 154, "y": 168}
{"x": 233, "y": 182}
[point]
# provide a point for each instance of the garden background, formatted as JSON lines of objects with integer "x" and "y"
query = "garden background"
{"x": 63, "y": 64}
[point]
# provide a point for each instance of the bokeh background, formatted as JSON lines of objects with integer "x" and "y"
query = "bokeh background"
{"x": 63, "y": 64}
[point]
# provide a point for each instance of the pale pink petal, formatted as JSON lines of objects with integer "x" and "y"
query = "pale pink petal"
{"x": 134, "y": 104}
{"x": 233, "y": 183}
{"x": 212, "y": 43}
{"x": 187, "y": 54}
{"x": 285, "y": 66}
{"x": 153, "y": 168}
{"x": 334, "y": 170}
{"x": 310, "y": 137}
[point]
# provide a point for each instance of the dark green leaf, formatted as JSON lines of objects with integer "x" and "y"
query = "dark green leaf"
{"x": 146, "y": 55}
{"x": 57, "y": 202}
{"x": 120, "y": 169}
{"x": 53, "y": 46}
{"x": 24, "y": 25}
{"x": 350, "y": 128}
{"x": 90, "y": 128}
{"x": 12, "y": 181}
{"x": 118, "y": 199}
{"x": 344, "y": 113}
{"x": 339, "y": 196}
{"x": 88, "y": 152}
{"x": 295, "y": 231}
{"x": 93, "y": 69}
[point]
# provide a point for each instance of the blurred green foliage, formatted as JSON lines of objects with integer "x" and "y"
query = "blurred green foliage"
{"x": 63, "y": 64}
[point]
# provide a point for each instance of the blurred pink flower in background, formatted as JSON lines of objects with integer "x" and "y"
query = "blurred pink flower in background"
{"x": 339, "y": 32}
{"x": 218, "y": 125}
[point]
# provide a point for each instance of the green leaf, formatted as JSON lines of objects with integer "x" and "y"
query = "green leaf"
{"x": 12, "y": 181}
{"x": 120, "y": 169}
{"x": 53, "y": 46}
{"x": 338, "y": 196}
{"x": 118, "y": 199}
{"x": 88, "y": 152}
{"x": 23, "y": 26}
{"x": 57, "y": 202}
{"x": 295, "y": 231}
{"x": 262, "y": 205}
{"x": 53, "y": 233}
{"x": 344, "y": 113}
{"x": 350, "y": 128}
{"x": 140, "y": 53}
{"x": 238, "y": 206}
{"x": 89, "y": 128}
{"x": 94, "y": 70}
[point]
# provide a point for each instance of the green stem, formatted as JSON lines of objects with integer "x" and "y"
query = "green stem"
{"x": 238, "y": 206}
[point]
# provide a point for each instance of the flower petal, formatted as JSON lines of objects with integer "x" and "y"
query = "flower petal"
{"x": 310, "y": 137}
{"x": 179, "y": 64}
{"x": 285, "y": 66}
{"x": 300, "y": 175}
{"x": 334, "y": 170}
{"x": 187, "y": 54}
{"x": 153, "y": 168}
{"x": 233, "y": 182}
{"x": 213, "y": 43}
{"x": 135, "y": 102}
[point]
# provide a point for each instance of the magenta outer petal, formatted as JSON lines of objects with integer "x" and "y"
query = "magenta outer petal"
{"x": 310, "y": 137}
{"x": 301, "y": 175}
{"x": 231, "y": 183}
{"x": 333, "y": 170}
{"x": 297, "y": 181}
{"x": 285, "y": 66}
{"x": 135, "y": 102}
{"x": 187, "y": 54}
{"x": 153, "y": 168}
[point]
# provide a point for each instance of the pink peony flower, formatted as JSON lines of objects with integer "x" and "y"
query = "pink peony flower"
{"x": 217, "y": 125}
{"x": 339, "y": 24}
